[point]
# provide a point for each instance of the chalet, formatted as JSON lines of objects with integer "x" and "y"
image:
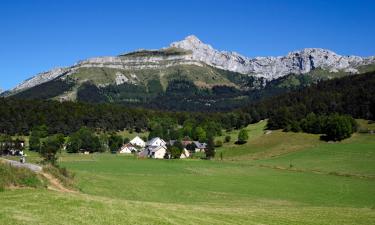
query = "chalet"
{"x": 128, "y": 149}
{"x": 137, "y": 141}
{"x": 156, "y": 142}
{"x": 156, "y": 148}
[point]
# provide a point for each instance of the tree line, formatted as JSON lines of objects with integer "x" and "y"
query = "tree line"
{"x": 352, "y": 95}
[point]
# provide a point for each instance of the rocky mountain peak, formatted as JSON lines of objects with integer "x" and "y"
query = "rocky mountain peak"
{"x": 192, "y": 43}
{"x": 201, "y": 54}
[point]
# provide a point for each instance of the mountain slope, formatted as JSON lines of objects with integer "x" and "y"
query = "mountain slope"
{"x": 145, "y": 76}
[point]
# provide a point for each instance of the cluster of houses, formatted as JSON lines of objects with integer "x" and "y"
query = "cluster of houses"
{"x": 11, "y": 147}
{"x": 157, "y": 148}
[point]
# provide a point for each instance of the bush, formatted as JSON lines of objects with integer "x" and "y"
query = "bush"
{"x": 83, "y": 140}
{"x": 339, "y": 127}
{"x": 227, "y": 138}
{"x": 242, "y": 137}
{"x": 115, "y": 142}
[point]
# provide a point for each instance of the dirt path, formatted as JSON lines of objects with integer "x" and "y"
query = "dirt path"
{"x": 55, "y": 184}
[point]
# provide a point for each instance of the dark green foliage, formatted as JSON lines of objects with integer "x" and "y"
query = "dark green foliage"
{"x": 83, "y": 140}
{"x": 199, "y": 134}
{"x": 90, "y": 93}
{"x": 6, "y": 142}
{"x": 351, "y": 95}
{"x": 242, "y": 137}
{"x": 181, "y": 87}
{"x": 46, "y": 90}
{"x": 210, "y": 151}
{"x": 227, "y": 138}
{"x": 279, "y": 119}
{"x": 336, "y": 127}
{"x": 176, "y": 150}
{"x": 115, "y": 142}
{"x": 20, "y": 116}
{"x": 50, "y": 147}
{"x": 339, "y": 127}
{"x": 36, "y": 135}
{"x": 313, "y": 124}
{"x": 153, "y": 53}
{"x": 154, "y": 87}
{"x": 191, "y": 147}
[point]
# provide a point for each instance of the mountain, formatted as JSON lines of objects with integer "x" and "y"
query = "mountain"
{"x": 189, "y": 70}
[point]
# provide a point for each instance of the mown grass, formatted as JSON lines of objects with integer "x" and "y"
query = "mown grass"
{"x": 254, "y": 184}
{"x": 265, "y": 144}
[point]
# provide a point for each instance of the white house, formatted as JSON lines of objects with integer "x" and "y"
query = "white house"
{"x": 155, "y": 152}
{"x": 127, "y": 148}
{"x": 155, "y": 148}
{"x": 156, "y": 142}
{"x": 137, "y": 141}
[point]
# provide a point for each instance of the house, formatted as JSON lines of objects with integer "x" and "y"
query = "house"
{"x": 127, "y": 148}
{"x": 156, "y": 148}
{"x": 200, "y": 147}
{"x": 156, "y": 142}
{"x": 137, "y": 141}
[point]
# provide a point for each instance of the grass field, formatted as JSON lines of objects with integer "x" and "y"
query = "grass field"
{"x": 275, "y": 178}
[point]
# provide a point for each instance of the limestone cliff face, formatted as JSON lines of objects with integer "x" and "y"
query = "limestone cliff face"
{"x": 195, "y": 52}
{"x": 297, "y": 62}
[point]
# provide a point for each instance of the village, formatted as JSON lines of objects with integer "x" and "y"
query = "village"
{"x": 157, "y": 148}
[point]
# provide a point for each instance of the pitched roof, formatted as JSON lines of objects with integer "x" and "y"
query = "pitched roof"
{"x": 153, "y": 140}
{"x": 156, "y": 148}
{"x": 200, "y": 145}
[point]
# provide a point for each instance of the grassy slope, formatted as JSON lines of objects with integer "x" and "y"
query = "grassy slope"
{"x": 237, "y": 190}
{"x": 20, "y": 177}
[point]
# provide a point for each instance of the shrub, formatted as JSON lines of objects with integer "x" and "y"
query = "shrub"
{"x": 242, "y": 137}
{"x": 227, "y": 138}
{"x": 339, "y": 127}
{"x": 115, "y": 142}
{"x": 83, "y": 140}
{"x": 218, "y": 143}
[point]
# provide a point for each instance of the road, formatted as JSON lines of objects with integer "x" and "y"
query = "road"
{"x": 29, "y": 166}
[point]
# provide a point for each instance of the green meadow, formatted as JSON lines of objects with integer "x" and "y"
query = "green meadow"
{"x": 275, "y": 178}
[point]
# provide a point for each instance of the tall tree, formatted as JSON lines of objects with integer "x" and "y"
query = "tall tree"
{"x": 210, "y": 151}
{"x": 50, "y": 147}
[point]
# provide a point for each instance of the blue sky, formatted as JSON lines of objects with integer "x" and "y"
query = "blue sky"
{"x": 39, "y": 35}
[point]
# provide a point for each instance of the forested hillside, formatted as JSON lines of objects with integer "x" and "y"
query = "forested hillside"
{"x": 352, "y": 95}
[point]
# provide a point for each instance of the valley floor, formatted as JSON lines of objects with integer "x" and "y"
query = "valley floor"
{"x": 276, "y": 178}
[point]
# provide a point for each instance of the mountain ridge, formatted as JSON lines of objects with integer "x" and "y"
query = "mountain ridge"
{"x": 192, "y": 51}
